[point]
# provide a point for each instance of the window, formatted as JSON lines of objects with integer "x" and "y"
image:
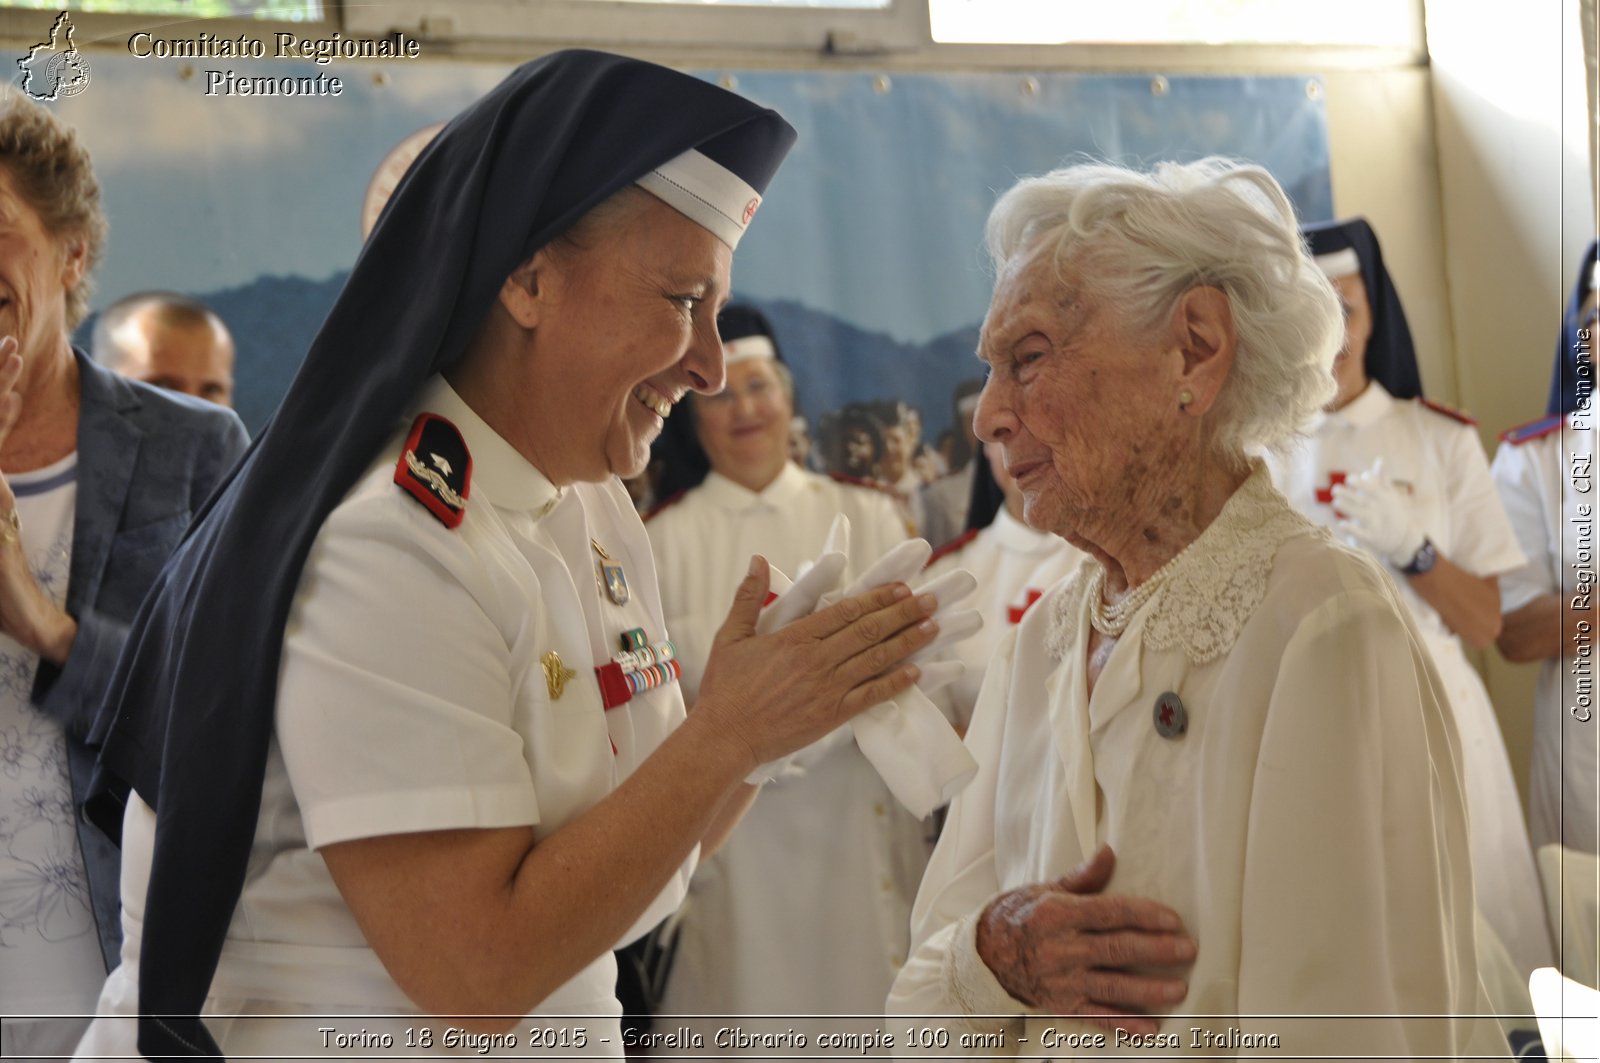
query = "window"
{"x": 862, "y": 5}
{"x": 1350, "y": 22}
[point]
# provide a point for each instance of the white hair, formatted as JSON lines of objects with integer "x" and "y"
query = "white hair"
{"x": 1139, "y": 241}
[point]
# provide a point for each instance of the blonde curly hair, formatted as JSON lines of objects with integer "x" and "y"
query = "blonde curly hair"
{"x": 52, "y": 172}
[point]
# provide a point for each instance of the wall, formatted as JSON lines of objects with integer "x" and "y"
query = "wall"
{"x": 1516, "y": 211}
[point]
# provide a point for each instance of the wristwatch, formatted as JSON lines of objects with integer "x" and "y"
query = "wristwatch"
{"x": 1423, "y": 560}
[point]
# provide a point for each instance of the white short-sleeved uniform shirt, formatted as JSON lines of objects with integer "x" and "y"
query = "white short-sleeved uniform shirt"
{"x": 1014, "y": 565}
{"x": 1306, "y": 821}
{"x": 1438, "y": 460}
{"x": 413, "y": 696}
{"x": 1544, "y": 479}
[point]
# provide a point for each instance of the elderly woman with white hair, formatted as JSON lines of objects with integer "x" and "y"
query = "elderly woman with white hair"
{"x": 1217, "y": 778}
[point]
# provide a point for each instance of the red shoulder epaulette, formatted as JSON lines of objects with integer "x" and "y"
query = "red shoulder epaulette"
{"x": 435, "y": 468}
{"x": 857, "y": 481}
{"x": 1522, "y": 433}
{"x": 665, "y": 503}
{"x": 953, "y": 546}
{"x": 1453, "y": 414}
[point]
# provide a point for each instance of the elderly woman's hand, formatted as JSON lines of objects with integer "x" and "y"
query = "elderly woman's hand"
{"x": 776, "y": 693}
{"x": 1065, "y": 948}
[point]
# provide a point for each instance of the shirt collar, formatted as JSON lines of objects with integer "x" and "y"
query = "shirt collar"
{"x": 498, "y": 469}
{"x": 1365, "y": 408}
{"x": 785, "y": 489}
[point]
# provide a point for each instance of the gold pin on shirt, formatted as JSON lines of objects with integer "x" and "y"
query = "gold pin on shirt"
{"x": 556, "y": 674}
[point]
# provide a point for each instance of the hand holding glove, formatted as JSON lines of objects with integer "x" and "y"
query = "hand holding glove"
{"x": 907, "y": 739}
{"x": 1378, "y": 515}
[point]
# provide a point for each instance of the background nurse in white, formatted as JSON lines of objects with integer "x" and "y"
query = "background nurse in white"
{"x": 805, "y": 910}
{"x": 1408, "y": 481}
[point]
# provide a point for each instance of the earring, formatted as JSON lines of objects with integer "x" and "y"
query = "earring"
{"x": 1184, "y": 398}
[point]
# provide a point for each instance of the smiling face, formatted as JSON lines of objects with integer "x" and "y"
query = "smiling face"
{"x": 744, "y": 428}
{"x": 622, "y": 324}
{"x": 36, "y": 272}
{"x": 1080, "y": 406}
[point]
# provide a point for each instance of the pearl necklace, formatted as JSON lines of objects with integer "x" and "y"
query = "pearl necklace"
{"x": 1112, "y": 619}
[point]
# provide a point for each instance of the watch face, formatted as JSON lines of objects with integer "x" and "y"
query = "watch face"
{"x": 390, "y": 170}
{"x": 1426, "y": 556}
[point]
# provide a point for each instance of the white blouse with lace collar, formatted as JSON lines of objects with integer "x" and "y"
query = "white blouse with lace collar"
{"x": 1208, "y": 590}
{"x": 1307, "y": 824}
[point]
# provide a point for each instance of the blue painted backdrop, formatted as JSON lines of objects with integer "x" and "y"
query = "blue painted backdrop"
{"x": 866, "y": 254}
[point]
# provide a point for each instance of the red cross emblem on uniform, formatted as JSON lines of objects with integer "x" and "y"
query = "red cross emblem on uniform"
{"x": 1325, "y": 494}
{"x": 1015, "y": 612}
{"x": 1167, "y": 715}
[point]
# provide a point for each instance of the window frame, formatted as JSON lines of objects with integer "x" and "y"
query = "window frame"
{"x": 101, "y": 31}
{"x": 896, "y": 38}
{"x": 483, "y": 24}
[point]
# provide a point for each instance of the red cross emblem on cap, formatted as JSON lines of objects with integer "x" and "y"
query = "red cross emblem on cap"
{"x": 1014, "y": 612}
{"x": 750, "y": 210}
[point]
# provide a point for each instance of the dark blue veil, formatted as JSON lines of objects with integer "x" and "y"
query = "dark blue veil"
{"x": 1391, "y": 359}
{"x": 1564, "y": 378}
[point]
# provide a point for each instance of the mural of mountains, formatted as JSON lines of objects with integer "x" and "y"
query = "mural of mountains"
{"x": 835, "y": 362}
{"x": 273, "y": 320}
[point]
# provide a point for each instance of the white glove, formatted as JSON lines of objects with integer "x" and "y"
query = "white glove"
{"x": 793, "y": 602}
{"x": 800, "y": 598}
{"x": 907, "y": 739}
{"x": 900, "y": 565}
{"x": 916, "y": 752}
{"x": 1378, "y": 516}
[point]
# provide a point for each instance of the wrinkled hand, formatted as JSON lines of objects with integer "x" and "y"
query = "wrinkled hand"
{"x": 777, "y": 692}
{"x": 1066, "y": 948}
{"x": 1377, "y": 515}
{"x": 26, "y": 614}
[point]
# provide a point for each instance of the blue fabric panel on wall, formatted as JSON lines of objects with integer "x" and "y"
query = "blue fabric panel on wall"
{"x": 867, "y": 252}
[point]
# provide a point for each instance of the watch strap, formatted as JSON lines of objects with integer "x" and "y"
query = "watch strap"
{"x": 1423, "y": 560}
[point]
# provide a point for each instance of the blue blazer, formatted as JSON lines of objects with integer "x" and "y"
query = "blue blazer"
{"x": 147, "y": 460}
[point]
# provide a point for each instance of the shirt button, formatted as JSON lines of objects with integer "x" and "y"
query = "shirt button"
{"x": 881, "y": 809}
